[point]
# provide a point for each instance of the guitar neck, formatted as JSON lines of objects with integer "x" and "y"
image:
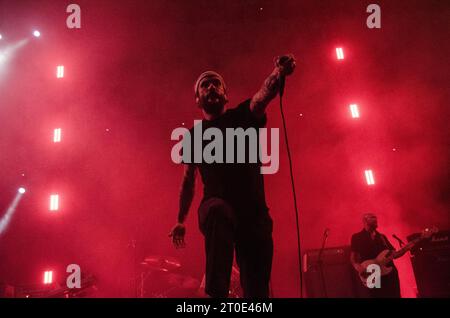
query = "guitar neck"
{"x": 407, "y": 247}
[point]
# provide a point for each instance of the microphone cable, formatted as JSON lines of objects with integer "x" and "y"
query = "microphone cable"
{"x": 282, "y": 83}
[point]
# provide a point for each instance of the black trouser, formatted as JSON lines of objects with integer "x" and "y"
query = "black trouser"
{"x": 389, "y": 286}
{"x": 225, "y": 231}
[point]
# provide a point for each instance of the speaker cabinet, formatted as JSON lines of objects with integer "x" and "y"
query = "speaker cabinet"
{"x": 333, "y": 276}
{"x": 431, "y": 264}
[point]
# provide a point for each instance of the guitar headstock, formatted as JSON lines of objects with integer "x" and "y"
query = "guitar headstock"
{"x": 428, "y": 232}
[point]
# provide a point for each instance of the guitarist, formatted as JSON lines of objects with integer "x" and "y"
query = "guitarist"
{"x": 366, "y": 245}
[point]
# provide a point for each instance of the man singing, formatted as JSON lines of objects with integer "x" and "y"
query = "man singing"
{"x": 233, "y": 215}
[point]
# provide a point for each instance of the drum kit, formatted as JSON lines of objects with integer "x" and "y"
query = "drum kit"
{"x": 163, "y": 277}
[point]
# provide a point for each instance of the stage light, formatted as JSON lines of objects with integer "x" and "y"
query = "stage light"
{"x": 21, "y": 190}
{"x": 6, "y": 218}
{"x": 9, "y": 51}
{"x": 369, "y": 177}
{"x": 36, "y": 33}
{"x": 339, "y": 53}
{"x": 60, "y": 71}
{"x": 354, "y": 111}
{"x": 57, "y": 135}
{"x": 1, "y": 37}
{"x": 54, "y": 202}
{"x": 48, "y": 277}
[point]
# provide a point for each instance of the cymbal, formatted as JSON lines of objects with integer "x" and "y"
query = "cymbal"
{"x": 161, "y": 263}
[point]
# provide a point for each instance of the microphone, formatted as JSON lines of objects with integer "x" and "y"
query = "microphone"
{"x": 398, "y": 239}
{"x": 278, "y": 63}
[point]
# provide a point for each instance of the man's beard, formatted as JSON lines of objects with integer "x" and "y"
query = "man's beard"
{"x": 213, "y": 104}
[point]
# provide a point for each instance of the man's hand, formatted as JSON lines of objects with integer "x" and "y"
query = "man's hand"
{"x": 285, "y": 64}
{"x": 177, "y": 234}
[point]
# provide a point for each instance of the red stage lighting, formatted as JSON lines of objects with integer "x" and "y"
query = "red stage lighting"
{"x": 369, "y": 177}
{"x": 339, "y": 53}
{"x": 54, "y": 202}
{"x": 48, "y": 277}
{"x": 57, "y": 135}
{"x": 354, "y": 111}
{"x": 60, "y": 71}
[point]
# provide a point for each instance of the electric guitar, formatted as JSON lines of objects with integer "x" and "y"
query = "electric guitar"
{"x": 387, "y": 256}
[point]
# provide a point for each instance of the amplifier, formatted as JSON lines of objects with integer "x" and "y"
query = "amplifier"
{"x": 439, "y": 241}
{"x": 333, "y": 277}
{"x": 431, "y": 264}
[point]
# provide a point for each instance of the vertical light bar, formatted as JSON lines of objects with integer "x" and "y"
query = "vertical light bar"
{"x": 48, "y": 277}
{"x": 354, "y": 111}
{"x": 57, "y": 135}
{"x": 369, "y": 177}
{"x": 60, "y": 71}
{"x": 339, "y": 53}
{"x": 54, "y": 202}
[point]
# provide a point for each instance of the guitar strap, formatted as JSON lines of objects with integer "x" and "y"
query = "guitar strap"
{"x": 384, "y": 240}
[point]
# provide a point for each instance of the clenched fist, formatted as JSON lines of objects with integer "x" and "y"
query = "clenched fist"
{"x": 285, "y": 64}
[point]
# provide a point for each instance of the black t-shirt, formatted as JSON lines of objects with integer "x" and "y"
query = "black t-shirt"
{"x": 369, "y": 248}
{"x": 240, "y": 184}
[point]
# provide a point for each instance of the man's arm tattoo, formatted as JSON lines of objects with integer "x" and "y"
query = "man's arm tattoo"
{"x": 267, "y": 92}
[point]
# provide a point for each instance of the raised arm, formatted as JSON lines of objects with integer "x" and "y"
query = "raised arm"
{"x": 284, "y": 66}
{"x": 186, "y": 195}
